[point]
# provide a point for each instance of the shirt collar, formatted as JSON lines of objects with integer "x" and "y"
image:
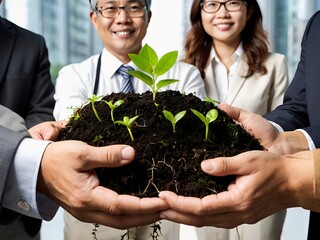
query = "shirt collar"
{"x": 236, "y": 56}
{"x": 111, "y": 64}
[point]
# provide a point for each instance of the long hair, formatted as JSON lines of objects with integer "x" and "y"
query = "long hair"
{"x": 254, "y": 39}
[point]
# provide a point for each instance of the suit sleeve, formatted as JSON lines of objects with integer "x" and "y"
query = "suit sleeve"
{"x": 301, "y": 102}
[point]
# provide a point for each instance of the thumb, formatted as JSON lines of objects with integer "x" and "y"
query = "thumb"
{"x": 223, "y": 166}
{"x": 109, "y": 156}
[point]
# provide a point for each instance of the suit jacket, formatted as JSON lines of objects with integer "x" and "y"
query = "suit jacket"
{"x": 25, "y": 83}
{"x": 258, "y": 93}
{"x": 301, "y": 102}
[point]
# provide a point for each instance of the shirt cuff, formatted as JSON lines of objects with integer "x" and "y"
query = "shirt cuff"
{"x": 20, "y": 191}
{"x": 311, "y": 144}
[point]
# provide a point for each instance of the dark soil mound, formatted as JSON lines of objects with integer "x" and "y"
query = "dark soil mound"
{"x": 164, "y": 160}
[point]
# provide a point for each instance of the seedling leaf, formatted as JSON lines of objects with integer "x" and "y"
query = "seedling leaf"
{"x": 166, "y": 82}
{"x": 142, "y": 76}
{"x": 166, "y": 62}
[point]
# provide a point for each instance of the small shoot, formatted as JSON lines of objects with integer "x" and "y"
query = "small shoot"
{"x": 94, "y": 99}
{"x": 151, "y": 67}
{"x": 210, "y": 117}
{"x": 113, "y": 106}
{"x": 173, "y": 119}
{"x": 210, "y": 100}
{"x": 128, "y": 122}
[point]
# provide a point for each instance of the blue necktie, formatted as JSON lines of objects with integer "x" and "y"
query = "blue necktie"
{"x": 127, "y": 78}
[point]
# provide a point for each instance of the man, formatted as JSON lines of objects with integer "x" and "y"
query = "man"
{"x": 122, "y": 25}
{"x": 76, "y": 189}
{"x": 25, "y": 84}
{"x": 299, "y": 110}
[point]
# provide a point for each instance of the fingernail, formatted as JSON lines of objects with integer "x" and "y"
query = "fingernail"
{"x": 207, "y": 166}
{"x": 127, "y": 153}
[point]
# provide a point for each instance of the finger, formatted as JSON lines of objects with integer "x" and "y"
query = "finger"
{"x": 52, "y": 133}
{"x": 108, "y": 201}
{"x": 232, "y": 112}
{"x": 236, "y": 165}
{"x": 212, "y": 204}
{"x": 117, "y": 221}
{"x": 225, "y": 220}
{"x": 109, "y": 156}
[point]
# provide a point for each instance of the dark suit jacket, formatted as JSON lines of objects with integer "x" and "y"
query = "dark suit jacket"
{"x": 25, "y": 83}
{"x": 301, "y": 107}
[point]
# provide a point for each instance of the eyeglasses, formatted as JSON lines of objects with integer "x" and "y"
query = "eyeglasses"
{"x": 134, "y": 10}
{"x": 214, "y": 6}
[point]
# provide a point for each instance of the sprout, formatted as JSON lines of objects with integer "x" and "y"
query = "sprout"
{"x": 113, "y": 106}
{"x": 151, "y": 68}
{"x": 210, "y": 100}
{"x": 173, "y": 119}
{"x": 128, "y": 122}
{"x": 93, "y": 99}
{"x": 210, "y": 117}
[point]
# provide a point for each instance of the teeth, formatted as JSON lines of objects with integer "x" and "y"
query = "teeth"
{"x": 122, "y": 33}
{"x": 223, "y": 25}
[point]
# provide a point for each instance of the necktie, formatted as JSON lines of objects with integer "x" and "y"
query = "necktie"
{"x": 127, "y": 79}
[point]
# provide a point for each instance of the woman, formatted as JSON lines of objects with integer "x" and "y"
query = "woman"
{"x": 229, "y": 46}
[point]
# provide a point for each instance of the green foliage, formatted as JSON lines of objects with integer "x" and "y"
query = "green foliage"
{"x": 173, "y": 119}
{"x": 93, "y": 99}
{"x": 151, "y": 67}
{"x": 54, "y": 72}
{"x": 210, "y": 117}
{"x": 113, "y": 106}
{"x": 210, "y": 100}
{"x": 128, "y": 122}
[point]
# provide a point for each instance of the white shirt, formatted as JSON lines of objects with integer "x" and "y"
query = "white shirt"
{"x": 20, "y": 192}
{"x": 222, "y": 78}
{"x": 75, "y": 82}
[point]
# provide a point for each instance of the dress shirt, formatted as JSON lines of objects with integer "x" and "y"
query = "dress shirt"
{"x": 222, "y": 77}
{"x": 21, "y": 195}
{"x": 75, "y": 83}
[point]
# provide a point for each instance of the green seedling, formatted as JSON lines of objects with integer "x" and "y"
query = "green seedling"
{"x": 128, "y": 122}
{"x": 210, "y": 100}
{"x": 173, "y": 119}
{"x": 151, "y": 67}
{"x": 113, "y": 106}
{"x": 94, "y": 99}
{"x": 210, "y": 117}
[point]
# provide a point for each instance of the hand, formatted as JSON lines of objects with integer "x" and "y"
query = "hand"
{"x": 67, "y": 176}
{"x": 266, "y": 133}
{"x": 47, "y": 130}
{"x": 265, "y": 184}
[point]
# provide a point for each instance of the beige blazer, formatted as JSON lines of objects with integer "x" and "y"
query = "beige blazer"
{"x": 258, "y": 93}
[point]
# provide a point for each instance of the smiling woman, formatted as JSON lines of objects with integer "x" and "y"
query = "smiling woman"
{"x": 228, "y": 44}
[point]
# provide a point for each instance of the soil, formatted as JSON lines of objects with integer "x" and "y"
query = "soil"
{"x": 164, "y": 160}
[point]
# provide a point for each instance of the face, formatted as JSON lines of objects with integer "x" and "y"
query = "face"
{"x": 123, "y": 34}
{"x": 224, "y": 26}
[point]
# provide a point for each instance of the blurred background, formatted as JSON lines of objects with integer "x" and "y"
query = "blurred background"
{"x": 70, "y": 38}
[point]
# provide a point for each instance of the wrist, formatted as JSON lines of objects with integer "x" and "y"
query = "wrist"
{"x": 292, "y": 142}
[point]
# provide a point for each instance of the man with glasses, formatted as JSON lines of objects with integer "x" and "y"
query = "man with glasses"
{"x": 122, "y": 26}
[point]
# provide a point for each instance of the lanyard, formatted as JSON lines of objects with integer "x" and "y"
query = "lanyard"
{"x": 96, "y": 83}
